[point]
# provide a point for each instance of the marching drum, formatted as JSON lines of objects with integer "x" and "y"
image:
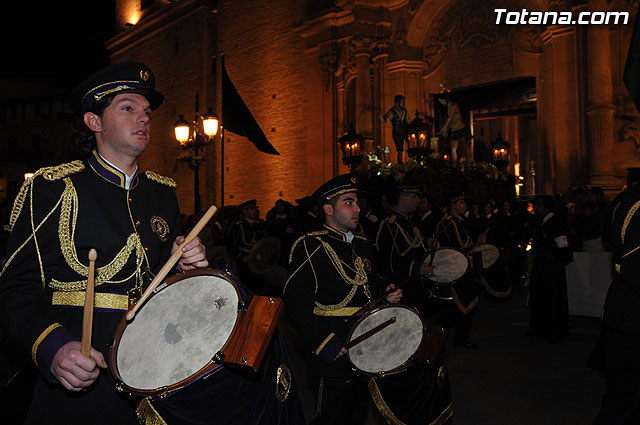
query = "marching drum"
{"x": 485, "y": 253}
{"x": 449, "y": 266}
{"x": 182, "y": 336}
{"x": 175, "y": 334}
{"x": 392, "y": 348}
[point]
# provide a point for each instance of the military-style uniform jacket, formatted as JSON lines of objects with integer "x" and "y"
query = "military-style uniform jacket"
{"x": 400, "y": 246}
{"x": 451, "y": 232}
{"x": 621, "y": 309}
{"x": 329, "y": 279}
{"x": 58, "y": 216}
{"x": 243, "y": 235}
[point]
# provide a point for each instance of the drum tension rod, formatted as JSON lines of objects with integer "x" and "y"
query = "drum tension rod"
{"x": 218, "y": 357}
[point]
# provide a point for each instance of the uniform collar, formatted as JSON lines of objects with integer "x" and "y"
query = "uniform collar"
{"x": 337, "y": 234}
{"x": 400, "y": 213}
{"x": 110, "y": 172}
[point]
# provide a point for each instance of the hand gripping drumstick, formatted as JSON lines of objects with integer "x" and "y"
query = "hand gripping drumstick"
{"x": 87, "y": 317}
{"x": 373, "y": 302}
{"x": 171, "y": 262}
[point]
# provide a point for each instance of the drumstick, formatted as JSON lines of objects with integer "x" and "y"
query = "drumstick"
{"x": 87, "y": 317}
{"x": 373, "y": 302}
{"x": 171, "y": 262}
{"x": 369, "y": 333}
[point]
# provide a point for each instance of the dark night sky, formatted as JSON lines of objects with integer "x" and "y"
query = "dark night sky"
{"x": 56, "y": 42}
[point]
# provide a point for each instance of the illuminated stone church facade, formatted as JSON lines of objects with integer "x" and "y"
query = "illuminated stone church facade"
{"x": 310, "y": 70}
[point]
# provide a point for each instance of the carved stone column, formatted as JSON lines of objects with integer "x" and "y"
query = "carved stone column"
{"x": 600, "y": 107}
{"x": 560, "y": 153}
{"x": 362, "y": 56}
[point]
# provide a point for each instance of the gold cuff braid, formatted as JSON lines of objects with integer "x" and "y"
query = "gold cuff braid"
{"x": 43, "y": 335}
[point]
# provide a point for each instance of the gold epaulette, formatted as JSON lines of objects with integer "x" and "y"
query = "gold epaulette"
{"x": 167, "y": 181}
{"x": 295, "y": 244}
{"x": 61, "y": 171}
{"x": 318, "y": 233}
{"x": 51, "y": 174}
{"x": 360, "y": 237}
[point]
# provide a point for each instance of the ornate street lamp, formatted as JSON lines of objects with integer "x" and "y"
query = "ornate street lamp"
{"x": 500, "y": 150}
{"x": 418, "y": 139}
{"x": 351, "y": 146}
{"x": 193, "y": 140}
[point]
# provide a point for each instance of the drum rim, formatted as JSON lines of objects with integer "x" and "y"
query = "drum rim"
{"x": 497, "y": 248}
{"x": 449, "y": 248}
{"x": 206, "y": 369}
{"x": 406, "y": 364}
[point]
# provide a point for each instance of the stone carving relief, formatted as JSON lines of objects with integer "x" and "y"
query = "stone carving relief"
{"x": 464, "y": 25}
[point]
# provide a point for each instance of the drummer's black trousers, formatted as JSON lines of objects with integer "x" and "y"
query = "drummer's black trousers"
{"x": 341, "y": 401}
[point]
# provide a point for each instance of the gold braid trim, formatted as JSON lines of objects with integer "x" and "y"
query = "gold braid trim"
{"x": 627, "y": 219}
{"x": 412, "y": 243}
{"x": 43, "y": 335}
{"x": 391, "y": 419}
{"x": 359, "y": 279}
{"x": 463, "y": 309}
{"x": 48, "y": 173}
{"x": 167, "y": 181}
{"x": 382, "y": 406}
{"x": 342, "y": 312}
{"x": 492, "y": 291}
{"x": 61, "y": 171}
{"x": 463, "y": 245}
{"x": 102, "y": 300}
{"x": 66, "y": 231}
{"x": 19, "y": 202}
{"x": 8, "y": 261}
{"x": 444, "y": 416}
{"x": 147, "y": 414}
{"x": 326, "y": 340}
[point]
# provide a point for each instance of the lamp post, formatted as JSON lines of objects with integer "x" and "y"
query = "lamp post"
{"x": 193, "y": 140}
{"x": 351, "y": 145}
{"x": 417, "y": 139}
{"x": 500, "y": 150}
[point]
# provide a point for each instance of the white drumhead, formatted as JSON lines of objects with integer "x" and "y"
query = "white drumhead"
{"x": 177, "y": 332}
{"x": 449, "y": 265}
{"x": 392, "y": 346}
{"x": 490, "y": 254}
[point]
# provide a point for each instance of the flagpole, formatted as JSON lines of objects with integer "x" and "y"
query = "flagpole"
{"x": 222, "y": 137}
{"x": 222, "y": 168}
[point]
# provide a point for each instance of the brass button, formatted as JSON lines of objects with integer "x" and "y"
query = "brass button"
{"x": 137, "y": 223}
{"x": 130, "y": 200}
{"x": 146, "y": 248}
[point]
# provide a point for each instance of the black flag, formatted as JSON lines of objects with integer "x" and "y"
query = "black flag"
{"x": 631, "y": 75}
{"x": 236, "y": 116}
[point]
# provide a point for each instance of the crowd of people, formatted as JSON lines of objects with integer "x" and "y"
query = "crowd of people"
{"x": 333, "y": 257}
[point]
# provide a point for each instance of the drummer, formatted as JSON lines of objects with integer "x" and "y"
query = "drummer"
{"x": 402, "y": 247}
{"x": 105, "y": 202}
{"x": 452, "y": 232}
{"x": 242, "y": 236}
{"x": 331, "y": 277}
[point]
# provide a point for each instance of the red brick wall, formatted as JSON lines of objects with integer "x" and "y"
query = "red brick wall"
{"x": 282, "y": 86}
